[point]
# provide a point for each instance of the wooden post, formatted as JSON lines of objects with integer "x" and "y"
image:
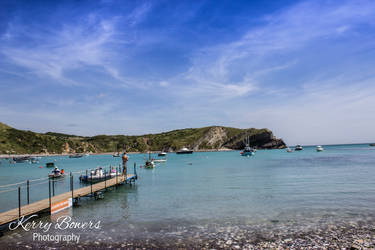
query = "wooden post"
{"x": 71, "y": 183}
{"x": 19, "y": 202}
{"x": 105, "y": 180}
{"x": 28, "y": 192}
{"x": 126, "y": 170}
{"x": 53, "y": 187}
{"x": 91, "y": 180}
{"x": 49, "y": 193}
{"x": 135, "y": 170}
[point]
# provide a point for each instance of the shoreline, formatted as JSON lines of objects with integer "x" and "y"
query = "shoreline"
{"x": 336, "y": 236}
{"x": 2, "y": 156}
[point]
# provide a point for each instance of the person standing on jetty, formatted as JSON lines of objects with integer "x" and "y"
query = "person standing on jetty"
{"x": 125, "y": 159}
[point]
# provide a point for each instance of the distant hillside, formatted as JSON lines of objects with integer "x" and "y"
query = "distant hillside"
{"x": 208, "y": 138}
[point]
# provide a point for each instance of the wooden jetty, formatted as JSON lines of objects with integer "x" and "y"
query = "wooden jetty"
{"x": 45, "y": 205}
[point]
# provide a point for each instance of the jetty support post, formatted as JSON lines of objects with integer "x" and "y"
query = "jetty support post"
{"x": 135, "y": 170}
{"x": 19, "y": 202}
{"x": 49, "y": 193}
{"x": 126, "y": 173}
{"x": 28, "y": 192}
{"x": 91, "y": 181}
{"x": 71, "y": 183}
{"x": 105, "y": 180}
{"x": 53, "y": 187}
{"x": 116, "y": 176}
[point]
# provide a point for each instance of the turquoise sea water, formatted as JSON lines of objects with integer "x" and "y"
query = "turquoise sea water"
{"x": 216, "y": 188}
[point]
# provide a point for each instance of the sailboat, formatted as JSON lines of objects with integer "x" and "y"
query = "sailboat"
{"x": 248, "y": 151}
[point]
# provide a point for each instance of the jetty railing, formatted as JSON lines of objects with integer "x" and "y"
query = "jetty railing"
{"x": 53, "y": 185}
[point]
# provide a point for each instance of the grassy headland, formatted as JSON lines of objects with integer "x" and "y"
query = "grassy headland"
{"x": 14, "y": 141}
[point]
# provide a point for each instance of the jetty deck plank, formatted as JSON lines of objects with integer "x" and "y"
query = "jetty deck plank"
{"x": 41, "y": 205}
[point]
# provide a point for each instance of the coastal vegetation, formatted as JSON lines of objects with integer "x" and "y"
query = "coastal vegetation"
{"x": 15, "y": 141}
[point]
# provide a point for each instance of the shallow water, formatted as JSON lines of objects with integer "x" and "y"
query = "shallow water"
{"x": 213, "y": 191}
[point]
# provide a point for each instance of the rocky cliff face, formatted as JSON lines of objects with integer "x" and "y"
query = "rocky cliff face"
{"x": 214, "y": 138}
{"x": 263, "y": 140}
{"x": 218, "y": 138}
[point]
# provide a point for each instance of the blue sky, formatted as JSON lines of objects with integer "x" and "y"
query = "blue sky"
{"x": 304, "y": 69}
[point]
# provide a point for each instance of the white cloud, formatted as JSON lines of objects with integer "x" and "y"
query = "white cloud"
{"x": 54, "y": 52}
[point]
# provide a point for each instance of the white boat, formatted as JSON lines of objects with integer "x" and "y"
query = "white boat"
{"x": 159, "y": 160}
{"x": 248, "y": 151}
{"x": 319, "y": 148}
{"x": 150, "y": 162}
{"x": 184, "y": 151}
{"x": 289, "y": 150}
{"x": 162, "y": 154}
{"x": 99, "y": 175}
{"x": 298, "y": 148}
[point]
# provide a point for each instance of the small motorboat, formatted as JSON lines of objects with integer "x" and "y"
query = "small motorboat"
{"x": 319, "y": 148}
{"x": 116, "y": 155}
{"x": 298, "y": 148}
{"x": 289, "y": 150}
{"x": 21, "y": 159}
{"x": 76, "y": 156}
{"x": 159, "y": 160}
{"x": 162, "y": 154}
{"x": 50, "y": 165}
{"x": 150, "y": 162}
{"x": 56, "y": 173}
{"x": 184, "y": 151}
{"x": 34, "y": 160}
{"x": 99, "y": 175}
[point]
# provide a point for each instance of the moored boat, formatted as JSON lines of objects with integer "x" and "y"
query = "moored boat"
{"x": 372, "y": 144}
{"x": 319, "y": 148}
{"x": 162, "y": 154}
{"x": 116, "y": 155}
{"x": 150, "y": 162}
{"x": 184, "y": 150}
{"x": 76, "y": 156}
{"x": 159, "y": 160}
{"x": 298, "y": 148}
{"x": 289, "y": 150}
{"x": 99, "y": 175}
{"x": 50, "y": 165}
{"x": 34, "y": 160}
{"x": 21, "y": 159}
{"x": 247, "y": 151}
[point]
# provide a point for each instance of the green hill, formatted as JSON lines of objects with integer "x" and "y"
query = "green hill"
{"x": 14, "y": 141}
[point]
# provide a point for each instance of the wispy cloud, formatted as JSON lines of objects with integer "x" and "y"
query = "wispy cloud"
{"x": 236, "y": 67}
{"x": 55, "y": 52}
